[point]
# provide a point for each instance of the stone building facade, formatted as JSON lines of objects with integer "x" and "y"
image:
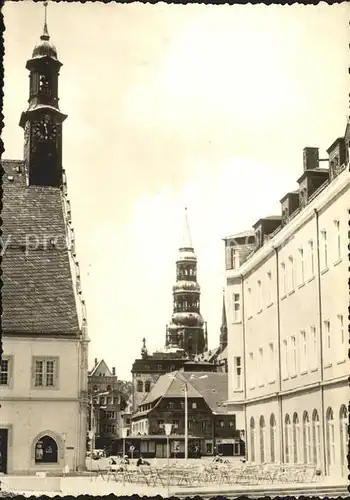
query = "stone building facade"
{"x": 43, "y": 376}
{"x": 287, "y": 299}
{"x": 106, "y": 404}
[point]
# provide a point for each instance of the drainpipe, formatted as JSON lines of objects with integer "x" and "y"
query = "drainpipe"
{"x": 244, "y": 370}
{"x": 279, "y": 395}
{"x": 320, "y": 340}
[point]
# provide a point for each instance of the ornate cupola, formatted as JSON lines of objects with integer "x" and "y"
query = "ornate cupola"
{"x": 42, "y": 121}
{"x": 223, "y": 328}
{"x": 186, "y": 326}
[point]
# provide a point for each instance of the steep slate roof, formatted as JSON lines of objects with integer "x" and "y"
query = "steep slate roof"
{"x": 213, "y": 387}
{"x": 100, "y": 368}
{"x": 37, "y": 291}
{"x": 210, "y": 386}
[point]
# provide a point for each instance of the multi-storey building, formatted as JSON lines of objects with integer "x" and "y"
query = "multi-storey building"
{"x": 43, "y": 377}
{"x": 106, "y": 403}
{"x": 287, "y": 299}
{"x": 211, "y": 427}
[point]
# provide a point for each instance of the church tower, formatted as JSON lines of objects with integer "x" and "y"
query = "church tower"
{"x": 223, "y": 328}
{"x": 186, "y": 329}
{"x": 42, "y": 121}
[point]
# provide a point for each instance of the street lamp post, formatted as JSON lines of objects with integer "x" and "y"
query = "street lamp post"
{"x": 186, "y": 421}
{"x": 124, "y": 434}
{"x": 92, "y": 432}
{"x": 167, "y": 428}
{"x": 186, "y": 407}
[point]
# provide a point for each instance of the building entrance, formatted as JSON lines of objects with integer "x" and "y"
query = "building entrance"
{"x": 3, "y": 450}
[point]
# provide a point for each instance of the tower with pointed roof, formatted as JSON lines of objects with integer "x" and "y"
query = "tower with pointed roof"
{"x": 223, "y": 327}
{"x": 186, "y": 328}
{"x": 42, "y": 121}
{"x": 44, "y": 360}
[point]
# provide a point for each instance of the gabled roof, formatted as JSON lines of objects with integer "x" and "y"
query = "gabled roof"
{"x": 243, "y": 234}
{"x": 37, "y": 292}
{"x": 213, "y": 387}
{"x": 101, "y": 368}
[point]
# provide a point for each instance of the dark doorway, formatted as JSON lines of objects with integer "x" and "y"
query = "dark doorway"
{"x": 46, "y": 451}
{"x": 3, "y": 450}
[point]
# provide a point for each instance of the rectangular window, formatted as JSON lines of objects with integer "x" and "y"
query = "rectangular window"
{"x": 285, "y": 358}
{"x": 303, "y": 351}
{"x": 284, "y": 278}
{"x": 175, "y": 424}
{"x": 311, "y": 259}
{"x": 272, "y": 374}
{"x": 259, "y": 296}
{"x": 301, "y": 277}
{"x": 261, "y": 367}
{"x": 293, "y": 361}
{"x": 5, "y": 372}
{"x": 337, "y": 240}
{"x": 236, "y": 307}
{"x": 238, "y": 373}
{"x": 327, "y": 337}
{"x": 324, "y": 250}
{"x": 252, "y": 371}
{"x": 269, "y": 288}
{"x": 250, "y": 303}
{"x": 45, "y": 372}
{"x": 291, "y": 284}
{"x": 313, "y": 347}
{"x": 235, "y": 259}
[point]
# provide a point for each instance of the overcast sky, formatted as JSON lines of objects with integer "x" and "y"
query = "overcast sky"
{"x": 169, "y": 106}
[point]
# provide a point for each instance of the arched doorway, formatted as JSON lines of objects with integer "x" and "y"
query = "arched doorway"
{"x": 343, "y": 428}
{"x": 272, "y": 438}
{"x": 316, "y": 439}
{"x": 330, "y": 436}
{"x": 46, "y": 451}
{"x": 252, "y": 440}
{"x": 288, "y": 439}
{"x": 262, "y": 439}
{"x": 296, "y": 439}
{"x": 306, "y": 438}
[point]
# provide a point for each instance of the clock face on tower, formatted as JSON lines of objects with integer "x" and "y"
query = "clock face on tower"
{"x": 45, "y": 130}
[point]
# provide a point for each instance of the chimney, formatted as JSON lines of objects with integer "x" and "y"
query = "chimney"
{"x": 310, "y": 158}
{"x": 113, "y": 371}
{"x": 95, "y": 361}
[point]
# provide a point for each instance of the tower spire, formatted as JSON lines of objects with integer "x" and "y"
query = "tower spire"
{"x": 186, "y": 235}
{"x": 45, "y": 35}
{"x": 223, "y": 328}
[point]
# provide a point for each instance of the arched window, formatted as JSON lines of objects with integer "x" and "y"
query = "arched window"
{"x": 316, "y": 438}
{"x": 288, "y": 439}
{"x": 147, "y": 386}
{"x": 262, "y": 439}
{"x": 139, "y": 386}
{"x": 296, "y": 438}
{"x": 330, "y": 434}
{"x": 252, "y": 440}
{"x": 343, "y": 427}
{"x": 272, "y": 438}
{"x": 46, "y": 451}
{"x": 306, "y": 438}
